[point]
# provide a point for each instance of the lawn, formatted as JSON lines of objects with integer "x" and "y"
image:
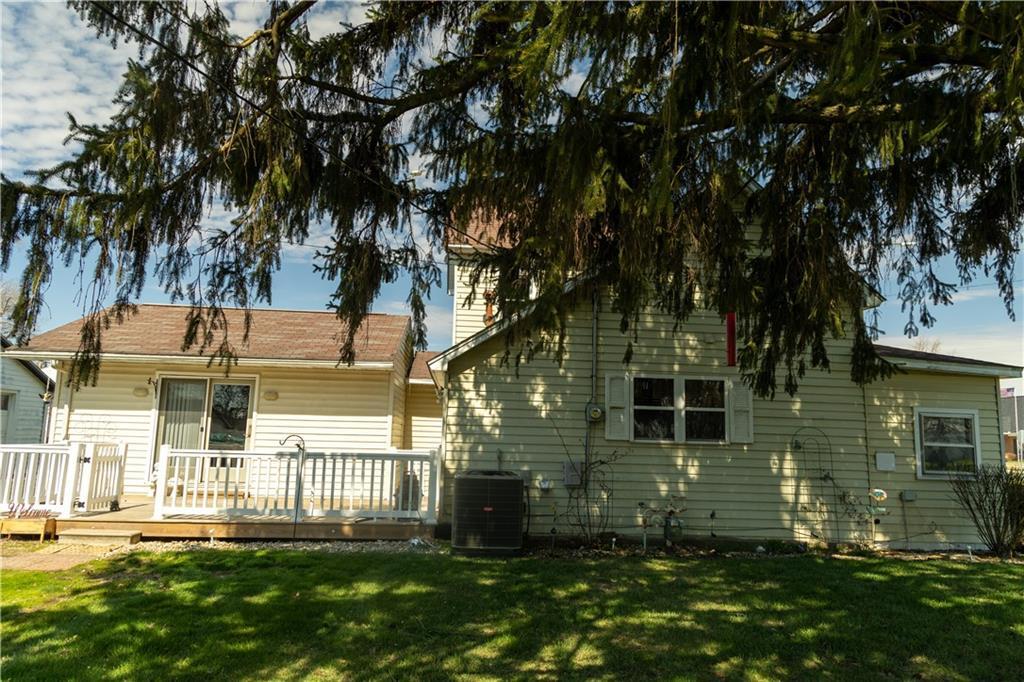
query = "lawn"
{"x": 287, "y": 615}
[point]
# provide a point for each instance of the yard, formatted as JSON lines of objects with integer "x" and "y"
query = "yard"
{"x": 287, "y": 614}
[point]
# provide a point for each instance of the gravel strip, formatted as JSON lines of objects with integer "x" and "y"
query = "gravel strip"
{"x": 416, "y": 545}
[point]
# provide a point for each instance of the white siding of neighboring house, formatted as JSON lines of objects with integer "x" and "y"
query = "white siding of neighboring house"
{"x": 422, "y": 417}
{"x": 532, "y": 418}
{"x": 332, "y": 409}
{"x": 25, "y": 420}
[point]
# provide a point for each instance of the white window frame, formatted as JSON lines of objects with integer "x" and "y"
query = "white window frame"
{"x": 724, "y": 409}
{"x": 253, "y": 379}
{"x": 919, "y": 441}
{"x": 673, "y": 409}
{"x": 679, "y": 408}
{"x": 12, "y": 406}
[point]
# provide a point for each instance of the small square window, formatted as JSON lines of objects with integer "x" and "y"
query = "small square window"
{"x": 705, "y": 393}
{"x": 705, "y": 425}
{"x": 653, "y": 392}
{"x": 6, "y": 399}
{"x": 654, "y": 409}
{"x": 654, "y": 425}
{"x": 947, "y": 443}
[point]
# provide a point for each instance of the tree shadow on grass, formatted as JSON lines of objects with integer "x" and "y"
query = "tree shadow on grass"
{"x": 275, "y": 614}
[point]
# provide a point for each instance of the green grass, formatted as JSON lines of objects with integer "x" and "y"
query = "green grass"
{"x": 287, "y": 615}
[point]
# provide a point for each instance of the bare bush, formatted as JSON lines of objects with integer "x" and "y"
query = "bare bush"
{"x": 994, "y": 499}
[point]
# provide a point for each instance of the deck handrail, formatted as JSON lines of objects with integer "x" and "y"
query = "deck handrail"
{"x": 296, "y": 484}
{"x": 62, "y": 478}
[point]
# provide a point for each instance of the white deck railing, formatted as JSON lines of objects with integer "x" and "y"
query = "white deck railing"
{"x": 295, "y": 485}
{"x": 63, "y": 479}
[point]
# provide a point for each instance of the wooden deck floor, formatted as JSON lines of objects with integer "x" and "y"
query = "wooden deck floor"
{"x": 137, "y": 513}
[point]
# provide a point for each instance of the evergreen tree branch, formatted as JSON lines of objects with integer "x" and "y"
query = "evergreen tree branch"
{"x": 911, "y": 53}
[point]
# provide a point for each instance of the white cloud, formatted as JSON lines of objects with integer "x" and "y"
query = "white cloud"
{"x": 52, "y": 64}
{"x": 982, "y": 292}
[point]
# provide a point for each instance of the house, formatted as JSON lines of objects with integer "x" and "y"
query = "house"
{"x": 672, "y": 438}
{"x": 287, "y": 381}
{"x": 24, "y": 400}
{"x": 674, "y": 433}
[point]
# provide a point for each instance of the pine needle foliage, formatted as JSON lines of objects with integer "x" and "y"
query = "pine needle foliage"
{"x": 628, "y": 143}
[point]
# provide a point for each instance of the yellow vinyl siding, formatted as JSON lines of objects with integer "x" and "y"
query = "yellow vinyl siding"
{"x": 398, "y": 383}
{"x": 934, "y": 518}
{"x": 111, "y": 412}
{"x": 533, "y": 415}
{"x": 422, "y": 417}
{"x": 468, "y": 318}
{"x": 332, "y": 409}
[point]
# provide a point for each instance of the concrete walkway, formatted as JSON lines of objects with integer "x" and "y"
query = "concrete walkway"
{"x": 53, "y": 557}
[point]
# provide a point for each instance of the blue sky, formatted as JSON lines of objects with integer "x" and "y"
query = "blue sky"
{"x": 52, "y": 63}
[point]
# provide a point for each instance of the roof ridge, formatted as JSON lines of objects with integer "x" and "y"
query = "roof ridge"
{"x": 266, "y": 310}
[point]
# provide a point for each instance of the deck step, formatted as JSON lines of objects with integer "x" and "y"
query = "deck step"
{"x": 99, "y": 536}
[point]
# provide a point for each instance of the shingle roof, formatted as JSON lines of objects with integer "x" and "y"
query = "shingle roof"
{"x": 480, "y": 233}
{"x": 419, "y": 369}
{"x": 274, "y": 334}
{"x": 910, "y": 354}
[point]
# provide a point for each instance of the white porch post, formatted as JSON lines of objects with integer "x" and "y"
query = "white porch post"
{"x": 71, "y": 480}
{"x": 435, "y": 485}
{"x": 161, "y": 481}
{"x": 123, "y": 456}
{"x": 86, "y": 486}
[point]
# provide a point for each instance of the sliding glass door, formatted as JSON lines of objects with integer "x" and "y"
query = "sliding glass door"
{"x": 230, "y": 416}
{"x": 182, "y": 417}
{"x": 205, "y": 414}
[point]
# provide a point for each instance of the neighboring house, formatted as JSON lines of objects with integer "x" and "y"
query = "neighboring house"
{"x": 1012, "y": 413}
{"x": 24, "y": 400}
{"x": 287, "y": 381}
{"x": 680, "y": 430}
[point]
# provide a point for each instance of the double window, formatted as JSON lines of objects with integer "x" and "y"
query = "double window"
{"x": 679, "y": 409}
{"x": 947, "y": 442}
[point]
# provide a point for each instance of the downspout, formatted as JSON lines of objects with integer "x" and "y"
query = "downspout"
{"x": 67, "y": 414}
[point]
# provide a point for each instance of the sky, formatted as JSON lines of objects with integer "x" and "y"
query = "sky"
{"x": 51, "y": 63}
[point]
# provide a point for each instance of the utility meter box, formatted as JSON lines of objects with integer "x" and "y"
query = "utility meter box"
{"x": 571, "y": 475}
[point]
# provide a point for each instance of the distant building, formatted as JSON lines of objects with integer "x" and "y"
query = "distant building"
{"x": 1011, "y": 411}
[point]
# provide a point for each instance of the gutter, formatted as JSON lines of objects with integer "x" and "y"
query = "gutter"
{"x": 202, "y": 360}
{"x": 1000, "y": 371}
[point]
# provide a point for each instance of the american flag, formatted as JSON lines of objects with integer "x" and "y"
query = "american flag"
{"x": 1006, "y": 392}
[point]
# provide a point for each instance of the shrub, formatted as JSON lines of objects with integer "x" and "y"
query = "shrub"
{"x": 994, "y": 499}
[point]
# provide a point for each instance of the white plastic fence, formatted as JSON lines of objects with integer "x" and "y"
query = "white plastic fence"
{"x": 63, "y": 479}
{"x": 101, "y": 476}
{"x": 379, "y": 485}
